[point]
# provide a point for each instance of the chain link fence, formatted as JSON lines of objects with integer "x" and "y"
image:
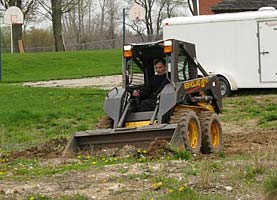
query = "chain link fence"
{"x": 96, "y": 45}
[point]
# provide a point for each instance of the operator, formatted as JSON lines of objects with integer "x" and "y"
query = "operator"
{"x": 149, "y": 94}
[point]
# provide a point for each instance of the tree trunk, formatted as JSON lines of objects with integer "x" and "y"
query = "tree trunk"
{"x": 17, "y": 35}
{"x": 57, "y": 24}
{"x": 112, "y": 10}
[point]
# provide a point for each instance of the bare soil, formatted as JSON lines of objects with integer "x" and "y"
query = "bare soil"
{"x": 103, "y": 82}
{"x": 131, "y": 181}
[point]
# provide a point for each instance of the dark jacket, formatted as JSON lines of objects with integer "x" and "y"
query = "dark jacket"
{"x": 154, "y": 87}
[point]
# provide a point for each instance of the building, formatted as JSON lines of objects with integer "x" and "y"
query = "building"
{"x": 207, "y": 7}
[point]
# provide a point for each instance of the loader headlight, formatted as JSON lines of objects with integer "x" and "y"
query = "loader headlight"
{"x": 127, "y": 51}
{"x": 168, "y": 46}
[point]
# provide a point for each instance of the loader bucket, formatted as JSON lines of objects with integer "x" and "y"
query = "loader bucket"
{"x": 141, "y": 137}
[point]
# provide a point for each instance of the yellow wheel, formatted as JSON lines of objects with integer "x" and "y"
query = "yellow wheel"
{"x": 215, "y": 134}
{"x": 212, "y": 136}
{"x": 193, "y": 132}
{"x": 190, "y": 130}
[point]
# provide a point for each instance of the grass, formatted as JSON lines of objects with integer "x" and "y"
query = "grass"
{"x": 262, "y": 110}
{"x": 44, "y": 197}
{"x": 270, "y": 187}
{"x": 30, "y": 116}
{"x": 38, "y": 114}
{"x": 60, "y": 65}
{"x": 27, "y": 169}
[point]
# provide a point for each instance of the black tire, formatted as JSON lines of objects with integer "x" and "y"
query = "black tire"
{"x": 225, "y": 88}
{"x": 212, "y": 135}
{"x": 189, "y": 127}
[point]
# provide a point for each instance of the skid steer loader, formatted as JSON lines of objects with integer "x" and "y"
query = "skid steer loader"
{"x": 186, "y": 108}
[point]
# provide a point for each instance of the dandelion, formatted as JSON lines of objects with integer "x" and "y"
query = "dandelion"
{"x": 183, "y": 188}
{"x": 144, "y": 151}
{"x": 157, "y": 185}
{"x": 1, "y": 173}
{"x": 170, "y": 190}
{"x": 94, "y": 163}
{"x": 32, "y": 198}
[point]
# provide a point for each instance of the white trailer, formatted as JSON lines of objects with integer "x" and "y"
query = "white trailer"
{"x": 241, "y": 48}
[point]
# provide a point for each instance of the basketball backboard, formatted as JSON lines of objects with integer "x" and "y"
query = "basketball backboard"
{"x": 136, "y": 13}
{"x": 13, "y": 15}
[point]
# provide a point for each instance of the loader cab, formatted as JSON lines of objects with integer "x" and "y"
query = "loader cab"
{"x": 138, "y": 68}
{"x": 139, "y": 62}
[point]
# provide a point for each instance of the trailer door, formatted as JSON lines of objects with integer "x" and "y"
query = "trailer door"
{"x": 268, "y": 50}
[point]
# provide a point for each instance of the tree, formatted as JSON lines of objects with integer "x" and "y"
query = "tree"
{"x": 155, "y": 12}
{"x": 74, "y": 22}
{"x": 38, "y": 38}
{"x": 112, "y": 18}
{"x": 28, "y": 8}
{"x": 56, "y": 9}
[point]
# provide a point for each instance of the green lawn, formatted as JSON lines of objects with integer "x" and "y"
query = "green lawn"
{"x": 60, "y": 65}
{"x": 34, "y": 115}
{"x": 31, "y": 116}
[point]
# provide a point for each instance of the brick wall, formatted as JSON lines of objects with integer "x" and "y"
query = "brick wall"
{"x": 205, "y": 6}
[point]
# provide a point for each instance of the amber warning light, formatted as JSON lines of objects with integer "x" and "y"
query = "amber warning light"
{"x": 127, "y": 51}
{"x": 168, "y": 46}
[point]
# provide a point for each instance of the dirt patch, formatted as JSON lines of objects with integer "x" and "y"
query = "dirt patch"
{"x": 120, "y": 181}
{"x": 159, "y": 148}
{"x": 103, "y": 82}
{"x": 130, "y": 181}
{"x": 237, "y": 141}
{"x": 240, "y": 139}
{"x": 51, "y": 149}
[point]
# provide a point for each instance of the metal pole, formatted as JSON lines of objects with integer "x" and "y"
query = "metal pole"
{"x": 0, "y": 53}
{"x": 123, "y": 31}
{"x": 11, "y": 38}
{"x": 123, "y": 43}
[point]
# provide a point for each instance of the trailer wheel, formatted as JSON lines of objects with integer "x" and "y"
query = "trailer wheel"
{"x": 212, "y": 136}
{"x": 225, "y": 88}
{"x": 190, "y": 130}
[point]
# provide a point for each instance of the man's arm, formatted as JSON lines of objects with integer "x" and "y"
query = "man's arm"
{"x": 144, "y": 93}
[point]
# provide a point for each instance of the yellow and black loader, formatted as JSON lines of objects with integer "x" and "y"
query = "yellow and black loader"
{"x": 186, "y": 112}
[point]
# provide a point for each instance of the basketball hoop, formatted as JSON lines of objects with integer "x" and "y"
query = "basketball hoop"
{"x": 137, "y": 13}
{"x": 13, "y": 19}
{"x": 13, "y": 15}
{"x": 137, "y": 19}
